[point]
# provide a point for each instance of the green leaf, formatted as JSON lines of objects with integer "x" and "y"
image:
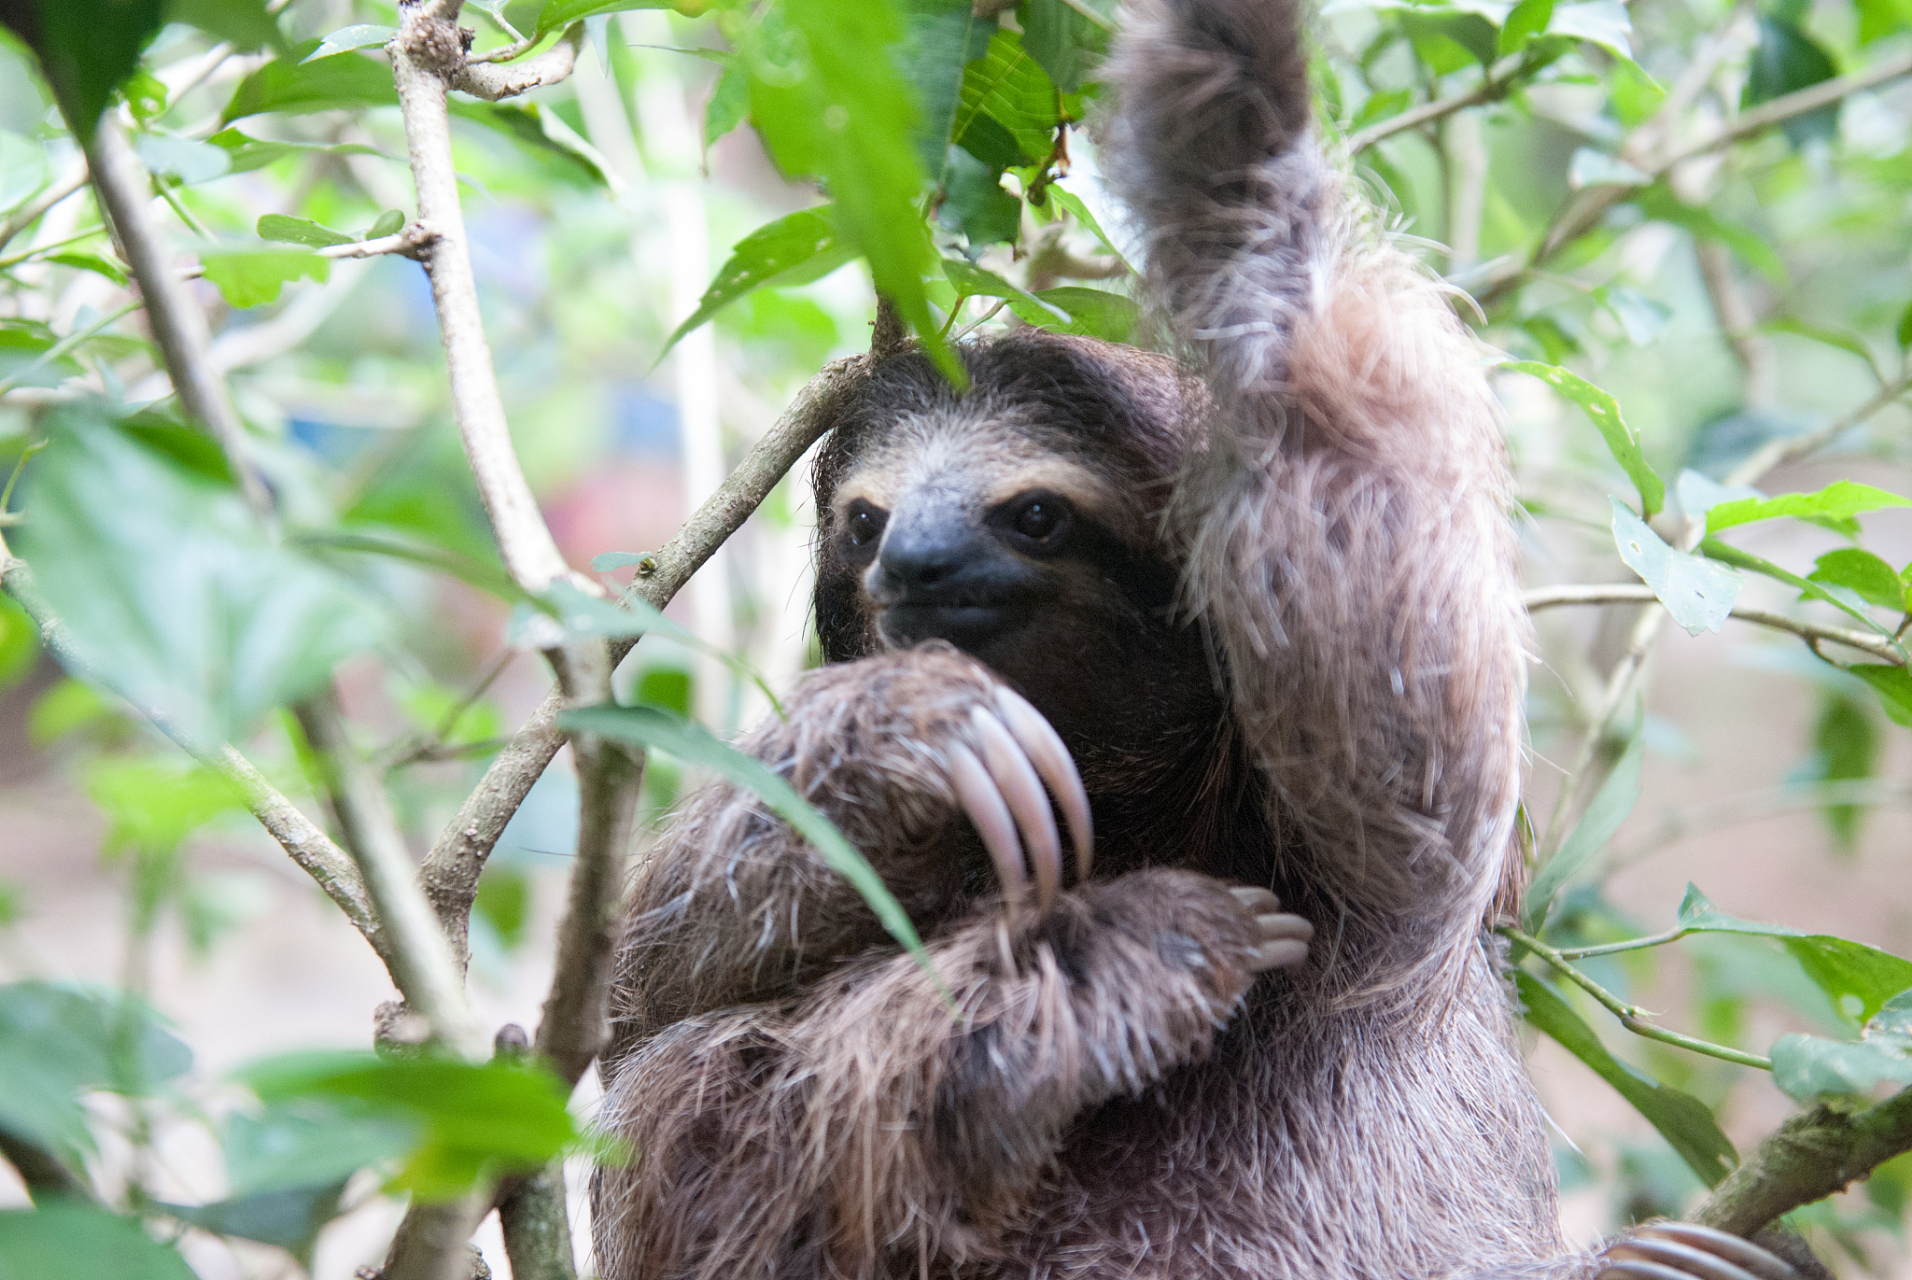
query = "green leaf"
{"x": 91, "y": 262}
{"x": 1857, "y": 978}
{"x": 63, "y": 1239}
{"x": 729, "y": 102}
{"x": 1904, "y": 331}
{"x": 247, "y": 153}
{"x": 828, "y": 101}
{"x": 474, "y": 1121}
{"x": 1860, "y": 571}
{"x": 1659, "y": 203}
{"x": 351, "y": 40}
{"x": 310, "y": 1144}
{"x": 1094, "y": 313}
{"x": 1064, "y": 40}
{"x": 1879, "y": 18}
{"x": 658, "y": 730}
{"x": 1714, "y": 549}
{"x": 19, "y": 643}
{"x": 1007, "y": 86}
{"x": 292, "y": 87}
{"x": 182, "y": 158}
{"x": 1604, "y": 814}
{"x": 1838, "y": 501}
{"x": 1807, "y": 1067}
{"x": 1698, "y": 593}
{"x": 559, "y": 14}
{"x": 544, "y": 132}
{"x": 974, "y": 202}
{"x": 87, "y": 48}
{"x": 23, "y": 347}
{"x": 1836, "y": 338}
{"x": 1622, "y": 442}
{"x": 1644, "y": 319}
{"x": 1785, "y": 60}
{"x": 1601, "y": 22}
{"x": 1449, "y": 40}
{"x": 795, "y": 249}
{"x": 154, "y": 802}
{"x": 168, "y": 588}
{"x": 1845, "y": 742}
{"x": 941, "y": 37}
{"x": 1682, "y": 1119}
{"x": 1080, "y": 212}
{"x": 290, "y": 1220}
{"x": 58, "y": 1043}
{"x": 253, "y": 277}
{"x": 23, "y": 170}
{"x": 488, "y": 576}
{"x": 1527, "y": 19}
{"x": 971, "y": 281}
{"x": 289, "y": 230}
{"x": 245, "y": 24}
{"x": 389, "y": 223}
{"x": 1892, "y": 684}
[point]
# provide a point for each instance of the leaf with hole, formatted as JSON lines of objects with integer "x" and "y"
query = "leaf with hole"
{"x": 1604, "y": 412}
{"x": 1697, "y": 592}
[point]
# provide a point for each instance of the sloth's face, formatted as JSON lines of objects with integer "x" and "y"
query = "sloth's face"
{"x": 966, "y": 528}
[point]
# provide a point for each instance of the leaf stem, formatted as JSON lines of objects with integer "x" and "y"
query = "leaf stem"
{"x": 1640, "y": 593}
{"x": 1632, "y": 1017}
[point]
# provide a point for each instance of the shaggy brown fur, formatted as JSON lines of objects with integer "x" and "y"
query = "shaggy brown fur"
{"x": 1111, "y": 1090}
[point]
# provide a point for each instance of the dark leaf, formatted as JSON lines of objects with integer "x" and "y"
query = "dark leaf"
{"x": 248, "y": 153}
{"x": 1064, "y": 39}
{"x": 1682, "y": 1119}
{"x": 1787, "y": 59}
{"x": 87, "y": 48}
{"x": 974, "y": 202}
{"x": 291, "y": 1220}
{"x": 941, "y": 38}
{"x": 310, "y": 1144}
{"x": 1009, "y": 87}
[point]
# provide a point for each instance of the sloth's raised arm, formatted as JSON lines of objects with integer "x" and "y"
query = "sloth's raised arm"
{"x": 1347, "y": 529}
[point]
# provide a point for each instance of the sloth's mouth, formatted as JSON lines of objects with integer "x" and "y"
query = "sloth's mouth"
{"x": 967, "y": 626}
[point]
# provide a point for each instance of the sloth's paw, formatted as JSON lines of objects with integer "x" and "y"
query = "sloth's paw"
{"x": 1282, "y": 939}
{"x": 1688, "y": 1251}
{"x": 999, "y": 761}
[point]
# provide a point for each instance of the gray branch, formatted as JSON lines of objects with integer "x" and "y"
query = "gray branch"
{"x": 1811, "y": 1156}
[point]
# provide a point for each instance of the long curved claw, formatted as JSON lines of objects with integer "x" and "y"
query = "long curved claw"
{"x": 1630, "y": 1269}
{"x": 1282, "y": 938}
{"x": 1741, "y": 1253}
{"x": 980, "y": 799}
{"x": 1700, "y": 1264}
{"x": 1046, "y": 751}
{"x": 1016, "y": 779}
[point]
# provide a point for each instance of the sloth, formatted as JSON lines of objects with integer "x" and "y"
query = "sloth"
{"x": 1178, "y": 702}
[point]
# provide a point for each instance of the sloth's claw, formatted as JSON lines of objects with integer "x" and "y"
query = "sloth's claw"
{"x": 1283, "y": 938}
{"x": 978, "y": 794}
{"x": 1742, "y": 1254}
{"x": 1015, "y": 778}
{"x": 1682, "y": 1258}
{"x": 1051, "y": 758}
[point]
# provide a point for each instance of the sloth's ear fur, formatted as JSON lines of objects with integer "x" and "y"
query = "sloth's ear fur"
{"x": 1130, "y": 414}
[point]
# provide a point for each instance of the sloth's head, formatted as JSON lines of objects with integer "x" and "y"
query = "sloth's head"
{"x": 1019, "y": 521}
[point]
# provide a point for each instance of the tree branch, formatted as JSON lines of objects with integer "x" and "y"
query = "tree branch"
{"x": 1638, "y": 593}
{"x": 29, "y": 213}
{"x": 1811, "y": 1156}
{"x": 430, "y": 979}
{"x": 426, "y": 54}
{"x": 1492, "y": 88}
{"x": 493, "y": 82}
{"x": 451, "y": 871}
{"x": 177, "y": 324}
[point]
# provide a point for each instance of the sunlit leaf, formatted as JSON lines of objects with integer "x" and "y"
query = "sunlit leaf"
{"x": 729, "y": 103}
{"x": 543, "y": 132}
{"x": 1591, "y": 168}
{"x": 1697, "y": 592}
{"x": 289, "y": 230}
{"x": 795, "y": 249}
{"x": 1093, "y": 313}
{"x": 24, "y": 344}
{"x": 292, "y": 87}
{"x": 474, "y": 1121}
{"x": 1526, "y": 20}
{"x": 182, "y": 158}
{"x": 1604, "y": 411}
{"x": 252, "y": 277}
{"x": 351, "y": 40}
{"x": 1892, "y": 684}
{"x": 1073, "y": 203}
{"x": 1681, "y": 1119}
{"x": 1007, "y": 85}
{"x": 558, "y": 14}
{"x": 1857, "y": 978}
{"x": 1858, "y": 570}
{"x": 1601, "y": 22}
{"x": 1604, "y": 813}
{"x": 975, "y": 203}
{"x": 1840, "y": 500}
{"x": 659, "y": 730}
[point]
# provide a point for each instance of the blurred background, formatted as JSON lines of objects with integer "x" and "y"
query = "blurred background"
{"x": 1760, "y": 297}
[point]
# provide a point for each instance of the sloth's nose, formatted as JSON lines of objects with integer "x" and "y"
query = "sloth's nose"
{"x": 922, "y": 555}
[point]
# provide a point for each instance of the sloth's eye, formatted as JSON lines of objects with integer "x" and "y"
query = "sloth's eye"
{"x": 1041, "y": 517}
{"x": 864, "y": 525}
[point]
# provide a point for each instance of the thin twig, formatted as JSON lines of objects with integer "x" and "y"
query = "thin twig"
{"x": 1755, "y": 806}
{"x": 177, "y": 324}
{"x": 480, "y": 79}
{"x": 1494, "y": 86}
{"x": 451, "y": 871}
{"x": 428, "y": 976}
{"x": 1632, "y": 1017}
{"x": 1638, "y": 593}
{"x": 30, "y": 212}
